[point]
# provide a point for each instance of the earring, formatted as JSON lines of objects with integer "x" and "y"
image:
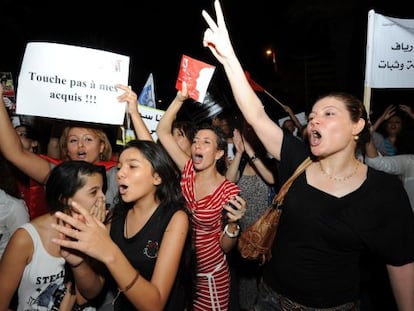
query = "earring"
{"x": 101, "y": 157}
{"x": 356, "y": 137}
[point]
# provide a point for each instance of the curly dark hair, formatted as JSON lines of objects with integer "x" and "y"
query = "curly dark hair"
{"x": 221, "y": 144}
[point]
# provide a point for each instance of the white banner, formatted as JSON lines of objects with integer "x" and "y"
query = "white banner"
{"x": 389, "y": 52}
{"x": 151, "y": 117}
{"x": 301, "y": 117}
{"x": 72, "y": 83}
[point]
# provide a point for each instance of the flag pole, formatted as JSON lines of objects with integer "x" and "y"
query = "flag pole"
{"x": 257, "y": 87}
{"x": 274, "y": 98}
{"x": 367, "y": 101}
{"x": 127, "y": 117}
{"x": 368, "y": 62}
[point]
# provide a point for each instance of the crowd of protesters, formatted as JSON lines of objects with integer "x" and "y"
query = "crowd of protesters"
{"x": 86, "y": 224}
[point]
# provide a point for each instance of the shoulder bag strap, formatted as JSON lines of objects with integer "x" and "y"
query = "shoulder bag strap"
{"x": 278, "y": 199}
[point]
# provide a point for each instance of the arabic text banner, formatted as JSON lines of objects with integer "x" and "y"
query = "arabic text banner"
{"x": 390, "y": 52}
{"x": 73, "y": 83}
{"x": 151, "y": 117}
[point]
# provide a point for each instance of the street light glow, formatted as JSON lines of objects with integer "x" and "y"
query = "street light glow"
{"x": 271, "y": 53}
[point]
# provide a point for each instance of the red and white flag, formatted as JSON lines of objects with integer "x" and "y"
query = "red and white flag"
{"x": 255, "y": 86}
{"x": 197, "y": 75}
{"x": 258, "y": 88}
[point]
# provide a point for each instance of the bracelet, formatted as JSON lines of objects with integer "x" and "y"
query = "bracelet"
{"x": 234, "y": 234}
{"x": 77, "y": 265}
{"x": 127, "y": 288}
{"x": 253, "y": 158}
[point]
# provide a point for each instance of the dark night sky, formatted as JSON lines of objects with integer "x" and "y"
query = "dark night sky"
{"x": 320, "y": 44}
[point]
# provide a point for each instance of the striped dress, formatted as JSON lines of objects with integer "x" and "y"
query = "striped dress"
{"x": 213, "y": 277}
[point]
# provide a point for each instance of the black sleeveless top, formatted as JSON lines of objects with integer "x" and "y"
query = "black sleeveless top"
{"x": 142, "y": 251}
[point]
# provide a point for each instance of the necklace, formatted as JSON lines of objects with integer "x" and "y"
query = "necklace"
{"x": 339, "y": 179}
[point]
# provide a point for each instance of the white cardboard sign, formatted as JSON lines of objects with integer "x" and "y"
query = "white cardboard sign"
{"x": 73, "y": 83}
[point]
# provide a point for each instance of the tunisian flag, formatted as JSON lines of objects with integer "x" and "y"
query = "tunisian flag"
{"x": 197, "y": 74}
{"x": 255, "y": 86}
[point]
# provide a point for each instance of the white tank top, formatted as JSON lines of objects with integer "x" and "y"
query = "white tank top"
{"x": 42, "y": 279}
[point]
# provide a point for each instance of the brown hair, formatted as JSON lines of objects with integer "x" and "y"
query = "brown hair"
{"x": 106, "y": 154}
{"x": 356, "y": 111}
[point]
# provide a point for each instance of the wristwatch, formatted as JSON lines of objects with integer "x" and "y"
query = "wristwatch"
{"x": 234, "y": 234}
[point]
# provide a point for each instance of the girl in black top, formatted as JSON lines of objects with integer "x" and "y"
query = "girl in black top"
{"x": 335, "y": 211}
{"x": 146, "y": 246}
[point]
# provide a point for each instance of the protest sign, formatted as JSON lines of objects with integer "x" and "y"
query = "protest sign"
{"x": 197, "y": 75}
{"x": 73, "y": 83}
{"x": 150, "y": 116}
{"x": 8, "y": 91}
{"x": 300, "y": 116}
{"x": 390, "y": 52}
{"x": 8, "y": 85}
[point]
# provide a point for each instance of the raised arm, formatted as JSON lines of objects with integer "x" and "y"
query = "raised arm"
{"x": 388, "y": 113}
{"x": 217, "y": 39}
{"x": 164, "y": 128}
{"x": 408, "y": 110}
{"x": 232, "y": 172}
{"x": 370, "y": 148}
{"x": 293, "y": 117}
{"x": 12, "y": 149}
{"x": 141, "y": 130}
{"x": 258, "y": 164}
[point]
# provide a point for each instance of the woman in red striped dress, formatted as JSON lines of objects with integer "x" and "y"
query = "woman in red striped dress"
{"x": 207, "y": 193}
